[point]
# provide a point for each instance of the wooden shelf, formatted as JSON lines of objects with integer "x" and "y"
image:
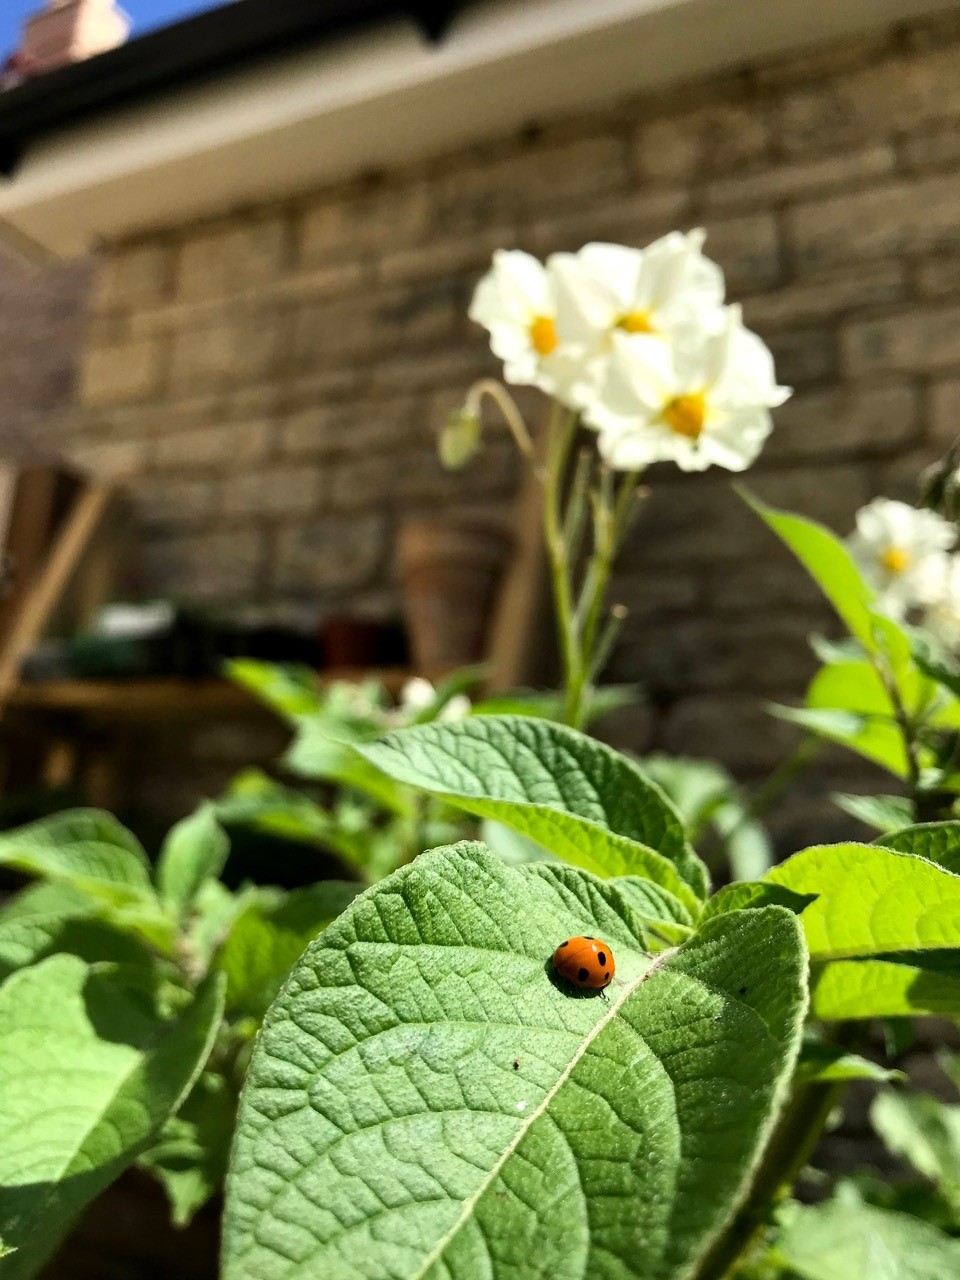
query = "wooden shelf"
{"x": 168, "y": 699}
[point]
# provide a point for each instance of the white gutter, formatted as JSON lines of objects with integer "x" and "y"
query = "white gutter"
{"x": 383, "y": 98}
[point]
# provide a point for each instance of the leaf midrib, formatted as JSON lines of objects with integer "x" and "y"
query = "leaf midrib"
{"x": 474, "y": 1199}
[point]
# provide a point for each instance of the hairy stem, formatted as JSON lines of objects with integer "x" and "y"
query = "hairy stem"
{"x": 787, "y": 1153}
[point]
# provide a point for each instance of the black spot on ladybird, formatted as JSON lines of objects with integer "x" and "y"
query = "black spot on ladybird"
{"x": 564, "y": 944}
{"x": 606, "y": 976}
{"x": 584, "y": 975}
{"x": 602, "y": 957}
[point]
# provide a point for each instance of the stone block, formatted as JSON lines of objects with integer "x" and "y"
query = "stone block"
{"x": 272, "y": 491}
{"x": 787, "y": 182}
{"x": 371, "y": 326}
{"x": 916, "y": 341}
{"x": 831, "y": 294}
{"x": 354, "y": 429}
{"x": 943, "y": 413}
{"x": 844, "y": 421}
{"x": 171, "y": 503}
{"x": 748, "y": 249}
{"x": 732, "y": 727}
{"x": 229, "y": 444}
{"x": 330, "y": 554}
{"x": 117, "y": 374}
{"x": 805, "y": 357}
{"x": 337, "y": 224}
{"x": 133, "y": 276}
{"x": 220, "y": 567}
{"x": 895, "y": 218}
{"x": 634, "y": 219}
{"x": 933, "y": 149}
{"x": 711, "y": 138}
{"x": 896, "y": 93}
{"x": 230, "y": 257}
{"x": 246, "y": 346}
{"x": 496, "y": 188}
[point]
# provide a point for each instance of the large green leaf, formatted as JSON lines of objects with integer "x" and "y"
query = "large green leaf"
{"x": 88, "y": 1074}
{"x": 850, "y": 989}
{"x": 190, "y": 1154}
{"x": 84, "y": 848}
{"x": 872, "y": 901}
{"x": 427, "y": 1100}
{"x": 827, "y": 1063}
{"x": 194, "y": 851}
{"x": 91, "y": 852}
{"x": 924, "y": 1131}
{"x": 47, "y": 918}
{"x": 317, "y": 755}
{"x": 268, "y": 936}
{"x": 292, "y": 692}
{"x": 583, "y": 801}
{"x": 828, "y": 562}
{"x": 884, "y": 813}
{"x": 936, "y": 841}
{"x": 254, "y": 799}
{"x": 848, "y": 1240}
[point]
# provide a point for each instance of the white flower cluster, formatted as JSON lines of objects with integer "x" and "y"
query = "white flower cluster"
{"x": 907, "y": 556}
{"x": 640, "y": 343}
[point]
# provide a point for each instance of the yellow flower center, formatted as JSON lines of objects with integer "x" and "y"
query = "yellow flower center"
{"x": 894, "y": 560}
{"x": 636, "y": 322}
{"x": 685, "y": 415}
{"x": 543, "y": 334}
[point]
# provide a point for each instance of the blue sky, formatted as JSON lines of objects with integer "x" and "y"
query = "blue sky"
{"x": 145, "y": 14}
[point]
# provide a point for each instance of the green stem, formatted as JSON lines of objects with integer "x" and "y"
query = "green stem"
{"x": 787, "y": 1154}
{"x": 559, "y": 441}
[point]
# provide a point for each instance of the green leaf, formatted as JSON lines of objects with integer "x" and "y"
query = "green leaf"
{"x": 89, "y": 851}
{"x": 513, "y": 848}
{"x": 426, "y": 1100}
{"x": 869, "y": 737}
{"x": 87, "y": 1076}
{"x": 826, "y": 1063}
{"x": 848, "y": 1240}
{"x": 290, "y": 691}
{"x": 924, "y": 1131}
{"x": 48, "y": 918}
{"x": 269, "y": 935}
{"x": 871, "y": 901}
{"x": 646, "y": 904}
{"x": 884, "y": 813}
{"x": 851, "y": 989}
{"x": 256, "y": 800}
{"x": 190, "y": 1154}
{"x": 828, "y": 562}
{"x": 583, "y": 801}
{"x": 195, "y": 850}
{"x": 936, "y": 841}
{"x": 316, "y": 755}
{"x": 82, "y": 848}
{"x": 748, "y": 895}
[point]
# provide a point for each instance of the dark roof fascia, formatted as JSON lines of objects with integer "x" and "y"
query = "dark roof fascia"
{"x": 200, "y": 47}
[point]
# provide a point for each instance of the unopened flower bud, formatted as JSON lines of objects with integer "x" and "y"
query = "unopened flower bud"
{"x": 460, "y": 439}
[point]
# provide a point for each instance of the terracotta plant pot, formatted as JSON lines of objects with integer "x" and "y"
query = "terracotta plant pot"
{"x": 450, "y": 570}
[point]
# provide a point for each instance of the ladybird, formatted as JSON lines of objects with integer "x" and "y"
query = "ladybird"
{"x": 586, "y": 962}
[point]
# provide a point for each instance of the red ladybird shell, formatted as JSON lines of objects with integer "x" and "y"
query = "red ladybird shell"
{"x": 586, "y": 962}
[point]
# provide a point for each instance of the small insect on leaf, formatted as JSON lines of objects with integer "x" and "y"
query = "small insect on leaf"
{"x": 585, "y": 962}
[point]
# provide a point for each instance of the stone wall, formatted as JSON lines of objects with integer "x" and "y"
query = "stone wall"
{"x": 273, "y": 382}
{"x": 42, "y": 313}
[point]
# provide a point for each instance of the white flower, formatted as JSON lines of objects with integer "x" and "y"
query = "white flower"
{"x": 939, "y": 588}
{"x": 419, "y": 695}
{"x": 516, "y": 302}
{"x": 661, "y": 290}
{"x": 899, "y": 551}
{"x": 700, "y": 400}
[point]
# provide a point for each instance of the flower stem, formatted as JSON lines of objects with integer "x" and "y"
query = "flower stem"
{"x": 505, "y": 402}
{"x": 560, "y": 436}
